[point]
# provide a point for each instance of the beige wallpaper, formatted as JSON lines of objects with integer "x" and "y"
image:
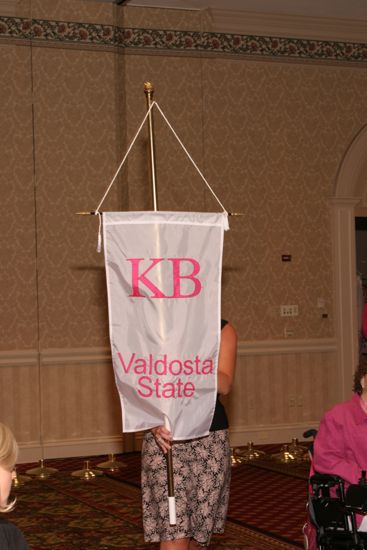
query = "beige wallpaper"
{"x": 18, "y": 311}
{"x": 275, "y": 136}
{"x": 268, "y": 137}
{"x": 178, "y": 91}
{"x": 76, "y": 152}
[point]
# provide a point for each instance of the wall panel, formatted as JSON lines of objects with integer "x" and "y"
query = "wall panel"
{"x": 20, "y": 395}
{"x": 80, "y": 400}
{"x": 281, "y": 389}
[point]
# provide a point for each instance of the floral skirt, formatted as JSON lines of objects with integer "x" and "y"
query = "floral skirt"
{"x": 202, "y": 474}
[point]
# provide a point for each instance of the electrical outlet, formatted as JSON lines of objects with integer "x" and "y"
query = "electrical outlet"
{"x": 289, "y": 311}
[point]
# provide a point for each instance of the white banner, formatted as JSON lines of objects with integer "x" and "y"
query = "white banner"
{"x": 164, "y": 287}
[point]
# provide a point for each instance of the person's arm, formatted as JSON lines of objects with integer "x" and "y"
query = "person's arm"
{"x": 330, "y": 450}
{"x": 227, "y": 359}
{"x": 225, "y": 375}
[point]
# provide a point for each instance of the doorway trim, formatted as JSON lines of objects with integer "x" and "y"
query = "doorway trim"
{"x": 348, "y": 194}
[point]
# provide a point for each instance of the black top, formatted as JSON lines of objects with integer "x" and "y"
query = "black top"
{"x": 220, "y": 420}
{"x": 11, "y": 538}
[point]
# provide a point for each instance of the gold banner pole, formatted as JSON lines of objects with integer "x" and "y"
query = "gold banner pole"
{"x": 149, "y": 90}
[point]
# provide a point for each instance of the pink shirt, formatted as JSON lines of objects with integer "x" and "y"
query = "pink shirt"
{"x": 340, "y": 447}
{"x": 341, "y": 443}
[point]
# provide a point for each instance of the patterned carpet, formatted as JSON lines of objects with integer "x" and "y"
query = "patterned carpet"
{"x": 269, "y": 502}
{"x": 266, "y": 512}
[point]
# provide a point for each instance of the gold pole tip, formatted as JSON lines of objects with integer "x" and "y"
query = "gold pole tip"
{"x": 148, "y": 87}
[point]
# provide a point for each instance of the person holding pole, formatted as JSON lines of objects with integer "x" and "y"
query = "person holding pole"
{"x": 202, "y": 471}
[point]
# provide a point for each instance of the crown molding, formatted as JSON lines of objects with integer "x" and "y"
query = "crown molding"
{"x": 295, "y": 26}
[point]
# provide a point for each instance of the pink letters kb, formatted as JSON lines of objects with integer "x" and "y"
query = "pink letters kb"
{"x": 139, "y": 278}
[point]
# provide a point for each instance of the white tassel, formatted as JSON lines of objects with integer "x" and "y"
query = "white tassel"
{"x": 225, "y": 221}
{"x": 99, "y": 241}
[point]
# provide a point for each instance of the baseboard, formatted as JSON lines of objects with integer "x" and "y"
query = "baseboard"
{"x": 239, "y": 435}
{"x": 262, "y": 434}
{"x": 33, "y": 452}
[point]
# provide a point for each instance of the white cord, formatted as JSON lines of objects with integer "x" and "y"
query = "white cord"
{"x": 154, "y": 103}
{"x": 125, "y": 157}
{"x": 189, "y": 156}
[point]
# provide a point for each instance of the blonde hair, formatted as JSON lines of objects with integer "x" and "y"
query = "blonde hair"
{"x": 8, "y": 456}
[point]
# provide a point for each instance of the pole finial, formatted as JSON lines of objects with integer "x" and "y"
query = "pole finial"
{"x": 148, "y": 90}
{"x": 148, "y": 87}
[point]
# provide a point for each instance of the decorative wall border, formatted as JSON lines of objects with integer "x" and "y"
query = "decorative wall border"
{"x": 82, "y": 34}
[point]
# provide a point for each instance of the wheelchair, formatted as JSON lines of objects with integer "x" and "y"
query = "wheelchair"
{"x": 332, "y": 511}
